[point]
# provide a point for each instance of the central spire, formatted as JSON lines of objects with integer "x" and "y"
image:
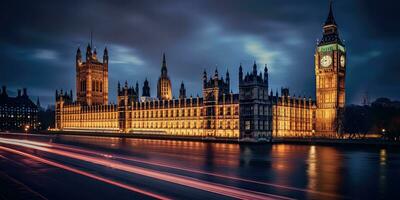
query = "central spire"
{"x": 164, "y": 61}
{"x": 164, "y": 66}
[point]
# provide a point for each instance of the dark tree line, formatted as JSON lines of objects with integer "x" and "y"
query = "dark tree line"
{"x": 381, "y": 117}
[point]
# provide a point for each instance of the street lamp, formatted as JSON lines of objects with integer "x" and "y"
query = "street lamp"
{"x": 383, "y": 133}
{"x": 26, "y": 128}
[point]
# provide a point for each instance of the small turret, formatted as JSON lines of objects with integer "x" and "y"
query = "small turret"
{"x": 88, "y": 52}
{"x": 266, "y": 75}
{"x": 227, "y": 79}
{"x": 137, "y": 88}
{"x": 204, "y": 78}
{"x": 78, "y": 56}
{"x": 119, "y": 87}
{"x": 105, "y": 55}
{"x": 94, "y": 56}
{"x": 146, "y": 89}
{"x": 182, "y": 91}
{"x": 240, "y": 73}
{"x": 255, "y": 69}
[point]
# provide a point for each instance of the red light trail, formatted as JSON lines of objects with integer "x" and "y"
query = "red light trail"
{"x": 165, "y": 165}
{"x": 77, "y": 171}
{"x": 175, "y": 179}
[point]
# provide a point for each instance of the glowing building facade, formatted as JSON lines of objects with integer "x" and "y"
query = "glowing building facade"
{"x": 91, "y": 77}
{"x": 254, "y": 113}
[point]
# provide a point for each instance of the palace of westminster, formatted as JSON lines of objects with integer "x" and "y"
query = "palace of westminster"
{"x": 252, "y": 114}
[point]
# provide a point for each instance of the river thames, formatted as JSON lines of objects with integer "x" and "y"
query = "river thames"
{"x": 83, "y": 167}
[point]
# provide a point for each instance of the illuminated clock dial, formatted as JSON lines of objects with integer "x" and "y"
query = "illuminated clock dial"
{"x": 326, "y": 61}
{"x": 342, "y": 61}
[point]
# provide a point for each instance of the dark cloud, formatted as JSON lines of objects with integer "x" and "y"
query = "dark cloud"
{"x": 39, "y": 40}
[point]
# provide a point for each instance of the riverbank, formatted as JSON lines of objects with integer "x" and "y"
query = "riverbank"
{"x": 300, "y": 141}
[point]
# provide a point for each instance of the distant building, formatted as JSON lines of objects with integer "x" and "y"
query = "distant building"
{"x": 17, "y": 113}
{"x": 253, "y": 114}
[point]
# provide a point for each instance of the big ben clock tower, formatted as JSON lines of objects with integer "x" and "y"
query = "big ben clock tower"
{"x": 330, "y": 71}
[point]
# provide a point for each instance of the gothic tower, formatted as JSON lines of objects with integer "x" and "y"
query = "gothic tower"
{"x": 92, "y": 77}
{"x": 254, "y": 104}
{"x": 164, "y": 90}
{"x": 330, "y": 71}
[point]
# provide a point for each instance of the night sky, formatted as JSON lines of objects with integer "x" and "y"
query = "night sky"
{"x": 39, "y": 39}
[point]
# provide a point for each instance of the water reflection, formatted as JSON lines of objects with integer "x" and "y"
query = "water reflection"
{"x": 352, "y": 172}
{"x": 312, "y": 168}
{"x": 324, "y": 167}
{"x": 382, "y": 172}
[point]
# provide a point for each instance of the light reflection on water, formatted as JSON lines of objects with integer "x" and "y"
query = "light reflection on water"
{"x": 355, "y": 172}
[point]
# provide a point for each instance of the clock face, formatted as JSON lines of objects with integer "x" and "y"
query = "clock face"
{"x": 326, "y": 61}
{"x": 342, "y": 61}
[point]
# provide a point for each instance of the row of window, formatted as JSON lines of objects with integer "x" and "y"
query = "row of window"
{"x": 17, "y": 109}
{"x": 257, "y": 125}
{"x": 287, "y": 125}
{"x": 257, "y": 110}
{"x": 293, "y": 112}
{"x": 223, "y": 124}
{"x": 15, "y": 116}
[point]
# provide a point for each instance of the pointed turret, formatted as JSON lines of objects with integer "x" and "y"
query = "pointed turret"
{"x": 266, "y": 75}
{"x": 204, "y": 78}
{"x": 216, "y": 74}
{"x": 78, "y": 54}
{"x": 105, "y": 55}
{"x": 255, "y": 68}
{"x": 94, "y": 54}
{"x": 88, "y": 52}
{"x": 146, "y": 89}
{"x": 137, "y": 88}
{"x": 119, "y": 86}
{"x": 240, "y": 73}
{"x": 182, "y": 91}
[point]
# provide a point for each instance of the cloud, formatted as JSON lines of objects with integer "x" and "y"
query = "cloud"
{"x": 364, "y": 58}
{"x": 44, "y": 54}
{"x": 124, "y": 55}
{"x": 260, "y": 52}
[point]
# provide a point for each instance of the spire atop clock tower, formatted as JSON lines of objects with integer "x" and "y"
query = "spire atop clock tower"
{"x": 330, "y": 29}
{"x": 331, "y": 19}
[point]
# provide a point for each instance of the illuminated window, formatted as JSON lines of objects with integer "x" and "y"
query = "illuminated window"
{"x": 247, "y": 125}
